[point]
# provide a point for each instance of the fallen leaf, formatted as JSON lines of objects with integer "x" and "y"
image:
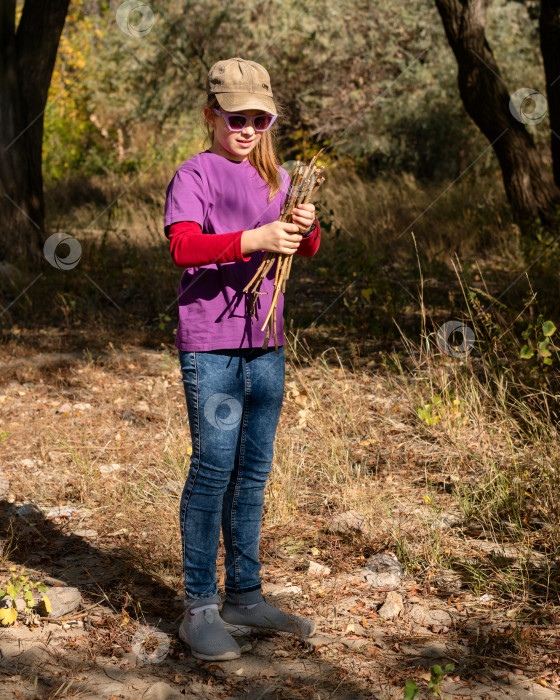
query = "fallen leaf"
{"x": 126, "y": 618}
{"x": 8, "y": 616}
{"x": 267, "y": 673}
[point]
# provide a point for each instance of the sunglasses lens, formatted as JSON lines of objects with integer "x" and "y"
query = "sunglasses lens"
{"x": 263, "y": 122}
{"x": 237, "y": 122}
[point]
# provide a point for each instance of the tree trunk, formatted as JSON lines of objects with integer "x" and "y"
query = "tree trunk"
{"x": 27, "y": 58}
{"x": 530, "y": 191}
{"x": 550, "y": 48}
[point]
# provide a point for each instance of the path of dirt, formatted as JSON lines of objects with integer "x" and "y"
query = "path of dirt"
{"x": 497, "y": 650}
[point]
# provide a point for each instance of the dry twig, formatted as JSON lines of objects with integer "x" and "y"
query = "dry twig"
{"x": 303, "y": 182}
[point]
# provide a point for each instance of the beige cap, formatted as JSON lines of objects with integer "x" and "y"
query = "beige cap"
{"x": 240, "y": 84}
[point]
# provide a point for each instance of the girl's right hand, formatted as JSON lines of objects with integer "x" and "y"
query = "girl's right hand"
{"x": 276, "y": 237}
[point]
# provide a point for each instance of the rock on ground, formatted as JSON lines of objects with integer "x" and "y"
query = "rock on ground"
{"x": 436, "y": 619}
{"x": 350, "y": 521}
{"x": 63, "y": 600}
{"x": 383, "y": 571}
{"x": 161, "y": 691}
{"x": 392, "y": 607}
{"x": 316, "y": 569}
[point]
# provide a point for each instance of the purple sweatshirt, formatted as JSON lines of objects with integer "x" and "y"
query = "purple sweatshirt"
{"x": 223, "y": 195}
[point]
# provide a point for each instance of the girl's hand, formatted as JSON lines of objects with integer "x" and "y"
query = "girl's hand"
{"x": 276, "y": 237}
{"x": 304, "y": 216}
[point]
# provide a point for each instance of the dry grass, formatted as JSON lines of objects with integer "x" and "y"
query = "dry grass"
{"x": 408, "y": 437}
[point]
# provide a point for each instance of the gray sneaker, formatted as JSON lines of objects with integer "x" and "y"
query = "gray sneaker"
{"x": 207, "y": 637}
{"x": 264, "y": 616}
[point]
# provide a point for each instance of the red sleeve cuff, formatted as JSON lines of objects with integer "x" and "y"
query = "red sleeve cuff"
{"x": 310, "y": 245}
{"x": 191, "y": 248}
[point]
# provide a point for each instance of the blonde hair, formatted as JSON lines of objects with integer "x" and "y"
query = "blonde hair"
{"x": 263, "y": 156}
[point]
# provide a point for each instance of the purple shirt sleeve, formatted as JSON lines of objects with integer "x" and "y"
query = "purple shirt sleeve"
{"x": 185, "y": 198}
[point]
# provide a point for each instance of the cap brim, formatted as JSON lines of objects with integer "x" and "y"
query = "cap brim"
{"x": 234, "y": 101}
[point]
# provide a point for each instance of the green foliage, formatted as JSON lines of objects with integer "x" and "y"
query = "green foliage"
{"x": 163, "y": 319}
{"x": 429, "y": 412}
{"x": 450, "y": 409}
{"x": 121, "y": 103}
{"x": 411, "y": 690}
{"x": 538, "y": 346}
{"x": 20, "y": 582}
{"x": 437, "y": 674}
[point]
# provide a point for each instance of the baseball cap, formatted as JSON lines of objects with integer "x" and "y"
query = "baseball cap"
{"x": 240, "y": 84}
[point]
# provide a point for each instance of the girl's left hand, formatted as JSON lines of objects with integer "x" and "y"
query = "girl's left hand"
{"x": 304, "y": 216}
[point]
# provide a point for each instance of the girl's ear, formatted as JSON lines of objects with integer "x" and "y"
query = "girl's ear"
{"x": 209, "y": 116}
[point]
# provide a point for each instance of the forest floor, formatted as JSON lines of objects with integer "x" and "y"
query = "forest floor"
{"x": 106, "y": 432}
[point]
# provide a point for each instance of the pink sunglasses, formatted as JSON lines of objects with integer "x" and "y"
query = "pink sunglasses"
{"x": 237, "y": 122}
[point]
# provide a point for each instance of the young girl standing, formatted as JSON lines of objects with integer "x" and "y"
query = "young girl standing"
{"x": 221, "y": 215}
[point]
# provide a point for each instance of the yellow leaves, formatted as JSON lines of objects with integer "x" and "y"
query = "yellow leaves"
{"x": 47, "y": 603}
{"x": 126, "y": 618}
{"x": 8, "y": 616}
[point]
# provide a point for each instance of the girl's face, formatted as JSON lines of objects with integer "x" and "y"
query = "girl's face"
{"x": 235, "y": 145}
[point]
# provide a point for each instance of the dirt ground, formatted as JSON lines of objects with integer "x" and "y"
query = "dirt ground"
{"x": 108, "y": 435}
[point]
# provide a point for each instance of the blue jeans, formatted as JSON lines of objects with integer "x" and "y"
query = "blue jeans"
{"x": 234, "y": 399}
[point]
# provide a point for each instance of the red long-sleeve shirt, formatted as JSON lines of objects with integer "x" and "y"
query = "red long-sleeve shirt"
{"x": 191, "y": 248}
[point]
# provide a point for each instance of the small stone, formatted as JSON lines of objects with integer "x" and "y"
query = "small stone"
{"x": 273, "y": 589}
{"x": 63, "y": 600}
{"x": 350, "y": 521}
{"x": 4, "y": 483}
{"x": 82, "y": 406}
{"x": 319, "y": 640}
{"x": 69, "y": 511}
{"x": 7, "y": 602}
{"x": 161, "y": 691}
{"x": 85, "y": 533}
{"x": 64, "y": 408}
{"x": 430, "y": 618}
{"x": 435, "y": 651}
{"x": 383, "y": 571}
{"x": 130, "y": 658}
{"x": 355, "y": 644}
{"x": 316, "y": 569}
{"x": 113, "y": 672}
{"x": 28, "y": 463}
{"x": 355, "y": 628}
{"x": 450, "y": 581}
{"x": 392, "y": 607}
{"x": 447, "y": 521}
{"x": 109, "y": 468}
{"x": 29, "y": 511}
{"x": 20, "y": 604}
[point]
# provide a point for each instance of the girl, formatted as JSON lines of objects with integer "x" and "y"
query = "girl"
{"x": 221, "y": 214}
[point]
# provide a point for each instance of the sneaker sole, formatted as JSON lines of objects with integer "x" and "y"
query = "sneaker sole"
{"x": 226, "y": 656}
{"x": 241, "y": 630}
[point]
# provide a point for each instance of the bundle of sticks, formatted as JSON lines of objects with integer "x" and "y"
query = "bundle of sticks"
{"x": 303, "y": 182}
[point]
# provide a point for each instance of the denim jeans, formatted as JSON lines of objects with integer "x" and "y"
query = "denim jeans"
{"x": 234, "y": 399}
